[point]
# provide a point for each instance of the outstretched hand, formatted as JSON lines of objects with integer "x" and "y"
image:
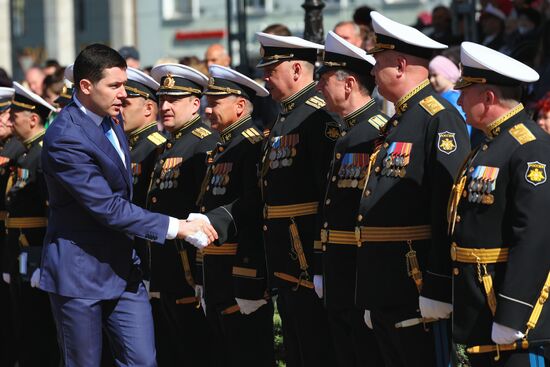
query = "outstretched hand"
{"x": 187, "y": 228}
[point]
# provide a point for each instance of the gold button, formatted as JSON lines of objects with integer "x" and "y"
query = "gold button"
{"x": 343, "y": 133}
{"x": 325, "y": 225}
{"x": 484, "y": 147}
{"x": 456, "y": 271}
{"x": 458, "y": 218}
{"x": 377, "y": 169}
{"x": 327, "y": 202}
{"x": 333, "y": 178}
{"x": 221, "y": 149}
{"x": 282, "y": 119}
{"x": 395, "y": 123}
{"x": 471, "y": 169}
{"x": 265, "y": 227}
{"x": 367, "y": 192}
{"x": 338, "y": 155}
{"x": 157, "y": 181}
{"x": 203, "y": 209}
{"x": 154, "y": 199}
{"x": 169, "y": 145}
{"x": 207, "y": 188}
{"x": 130, "y": 147}
{"x": 358, "y": 244}
{"x": 359, "y": 217}
{"x": 324, "y": 248}
{"x": 464, "y": 193}
{"x": 386, "y": 145}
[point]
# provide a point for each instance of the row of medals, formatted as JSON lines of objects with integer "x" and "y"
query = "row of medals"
{"x": 219, "y": 182}
{"x": 281, "y": 157}
{"x": 394, "y": 166}
{"x": 169, "y": 178}
{"x": 479, "y": 191}
{"x": 351, "y": 177}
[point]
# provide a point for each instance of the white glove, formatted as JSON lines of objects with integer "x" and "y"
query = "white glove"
{"x": 194, "y": 216}
{"x": 6, "y": 277}
{"x": 318, "y": 284}
{"x": 199, "y": 293}
{"x": 247, "y": 306}
{"x": 504, "y": 335}
{"x": 198, "y": 239}
{"x": 432, "y": 309}
{"x": 35, "y": 278}
{"x": 368, "y": 321}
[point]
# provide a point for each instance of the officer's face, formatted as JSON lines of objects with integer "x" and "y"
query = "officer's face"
{"x": 5, "y": 131}
{"x": 175, "y": 111}
{"x": 133, "y": 112}
{"x": 385, "y": 74}
{"x": 222, "y": 111}
{"x": 333, "y": 90}
{"x": 471, "y": 100}
{"x": 279, "y": 78}
{"x": 21, "y": 123}
{"x": 108, "y": 93}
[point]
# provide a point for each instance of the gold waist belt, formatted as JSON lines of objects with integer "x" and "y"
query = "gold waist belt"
{"x": 26, "y": 222}
{"x": 290, "y": 211}
{"x": 225, "y": 249}
{"x": 478, "y": 255}
{"x": 339, "y": 237}
{"x": 394, "y": 234}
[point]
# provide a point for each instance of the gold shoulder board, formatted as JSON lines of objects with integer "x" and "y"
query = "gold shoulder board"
{"x": 521, "y": 133}
{"x": 156, "y": 138}
{"x": 316, "y": 102}
{"x": 431, "y": 105}
{"x": 252, "y": 135}
{"x": 378, "y": 121}
{"x": 201, "y": 132}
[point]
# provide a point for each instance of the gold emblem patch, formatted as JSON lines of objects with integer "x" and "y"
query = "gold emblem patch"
{"x": 332, "y": 131}
{"x": 168, "y": 82}
{"x": 536, "y": 173}
{"x": 446, "y": 142}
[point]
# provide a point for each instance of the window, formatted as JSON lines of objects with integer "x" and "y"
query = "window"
{"x": 18, "y": 18}
{"x": 180, "y": 9}
{"x": 259, "y": 6}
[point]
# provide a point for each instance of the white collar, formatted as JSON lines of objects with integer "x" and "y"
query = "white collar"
{"x": 95, "y": 118}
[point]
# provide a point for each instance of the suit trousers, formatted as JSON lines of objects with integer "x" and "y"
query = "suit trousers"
{"x": 127, "y": 321}
{"x": 354, "y": 343}
{"x": 306, "y": 335}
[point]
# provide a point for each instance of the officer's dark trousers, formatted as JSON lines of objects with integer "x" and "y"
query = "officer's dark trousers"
{"x": 306, "y": 335}
{"x": 164, "y": 344}
{"x": 34, "y": 325}
{"x": 189, "y": 331}
{"x": 7, "y": 331}
{"x": 403, "y": 347}
{"x": 528, "y": 358}
{"x": 242, "y": 340}
{"x": 354, "y": 343}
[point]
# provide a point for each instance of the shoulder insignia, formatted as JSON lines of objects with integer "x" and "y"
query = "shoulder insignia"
{"x": 431, "y": 105}
{"x": 522, "y": 134}
{"x": 316, "y": 102}
{"x": 156, "y": 138}
{"x": 201, "y": 132}
{"x": 446, "y": 142}
{"x": 253, "y": 135}
{"x": 536, "y": 173}
{"x": 378, "y": 121}
{"x": 332, "y": 131}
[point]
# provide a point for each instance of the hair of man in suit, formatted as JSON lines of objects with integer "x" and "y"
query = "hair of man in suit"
{"x": 93, "y": 60}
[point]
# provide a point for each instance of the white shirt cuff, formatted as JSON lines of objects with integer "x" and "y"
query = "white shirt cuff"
{"x": 173, "y": 228}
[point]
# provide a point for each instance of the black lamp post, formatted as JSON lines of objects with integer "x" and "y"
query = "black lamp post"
{"x": 313, "y": 30}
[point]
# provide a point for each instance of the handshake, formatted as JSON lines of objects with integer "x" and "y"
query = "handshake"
{"x": 197, "y": 230}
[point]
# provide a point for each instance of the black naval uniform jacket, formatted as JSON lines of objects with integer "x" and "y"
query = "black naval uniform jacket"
{"x": 409, "y": 186}
{"x": 503, "y": 204}
{"x": 233, "y": 176}
{"x": 26, "y": 205}
{"x": 347, "y": 174}
{"x": 145, "y": 145}
{"x": 175, "y": 186}
{"x": 295, "y": 162}
{"x": 9, "y": 153}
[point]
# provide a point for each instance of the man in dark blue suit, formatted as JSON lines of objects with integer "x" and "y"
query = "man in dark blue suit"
{"x": 89, "y": 265}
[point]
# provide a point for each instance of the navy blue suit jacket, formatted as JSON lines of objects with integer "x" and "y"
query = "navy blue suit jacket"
{"x": 88, "y": 249}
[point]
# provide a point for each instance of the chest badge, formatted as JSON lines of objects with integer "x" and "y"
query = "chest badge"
{"x": 482, "y": 184}
{"x": 536, "y": 173}
{"x": 446, "y": 142}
